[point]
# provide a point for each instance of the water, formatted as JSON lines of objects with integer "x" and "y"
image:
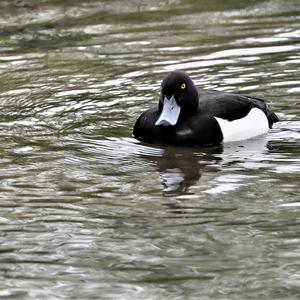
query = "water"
{"x": 88, "y": 212}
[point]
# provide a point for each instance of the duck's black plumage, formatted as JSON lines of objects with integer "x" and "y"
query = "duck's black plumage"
{"x": 199, "y": 110}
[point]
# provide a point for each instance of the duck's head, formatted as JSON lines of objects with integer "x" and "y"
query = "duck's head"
{"x": 178, "y": 100}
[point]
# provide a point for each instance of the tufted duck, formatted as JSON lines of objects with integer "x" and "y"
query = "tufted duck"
{"x": 186, "y": 116}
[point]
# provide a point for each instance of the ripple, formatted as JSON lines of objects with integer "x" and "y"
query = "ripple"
{"x": 86, "y": 210}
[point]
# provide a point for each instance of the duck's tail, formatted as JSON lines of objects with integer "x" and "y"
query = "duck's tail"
{"x": 271, "y": 116}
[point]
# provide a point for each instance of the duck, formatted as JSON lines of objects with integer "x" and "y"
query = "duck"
{"x": 188, "y": 116}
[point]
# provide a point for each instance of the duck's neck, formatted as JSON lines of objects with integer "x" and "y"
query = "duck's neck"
{"x": 189, "y": 110}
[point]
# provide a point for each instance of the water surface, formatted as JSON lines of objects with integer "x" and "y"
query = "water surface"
{"x": 88, "y": 212}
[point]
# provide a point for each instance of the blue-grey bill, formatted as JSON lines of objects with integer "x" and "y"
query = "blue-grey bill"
{"x": 170, "y": 112}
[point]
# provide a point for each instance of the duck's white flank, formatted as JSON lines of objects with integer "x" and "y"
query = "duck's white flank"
{"x": 253, "y": 124}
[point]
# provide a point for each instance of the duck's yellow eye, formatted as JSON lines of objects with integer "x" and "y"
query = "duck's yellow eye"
{"x": 183, "y": 86}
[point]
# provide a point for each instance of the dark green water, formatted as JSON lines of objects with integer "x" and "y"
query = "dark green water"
{"x": 86, "y": 211}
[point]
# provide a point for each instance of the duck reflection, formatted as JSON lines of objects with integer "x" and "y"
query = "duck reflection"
{"x": 180, "y": 168}
{"x": 178, "y": 171}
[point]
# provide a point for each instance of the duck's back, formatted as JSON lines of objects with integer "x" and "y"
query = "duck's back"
{"x": 232, "y": 107}
{"x": 239, "y": 117}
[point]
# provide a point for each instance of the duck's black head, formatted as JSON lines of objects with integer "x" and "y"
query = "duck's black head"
{"x": 178, "y": 100}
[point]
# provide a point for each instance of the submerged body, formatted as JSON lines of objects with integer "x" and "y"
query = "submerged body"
{"x": 186, "y": 116}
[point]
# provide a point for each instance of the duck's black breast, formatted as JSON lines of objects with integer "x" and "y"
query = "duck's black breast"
{"x": 145, "y": 128}
{"x": 199, "y": 129}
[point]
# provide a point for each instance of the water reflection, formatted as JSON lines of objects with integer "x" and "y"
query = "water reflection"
{"x": 181, "y": 168}
{"x": 178, "y": 170}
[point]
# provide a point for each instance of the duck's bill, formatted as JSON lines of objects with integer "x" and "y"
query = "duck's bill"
{"x": 170, "y": 112}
